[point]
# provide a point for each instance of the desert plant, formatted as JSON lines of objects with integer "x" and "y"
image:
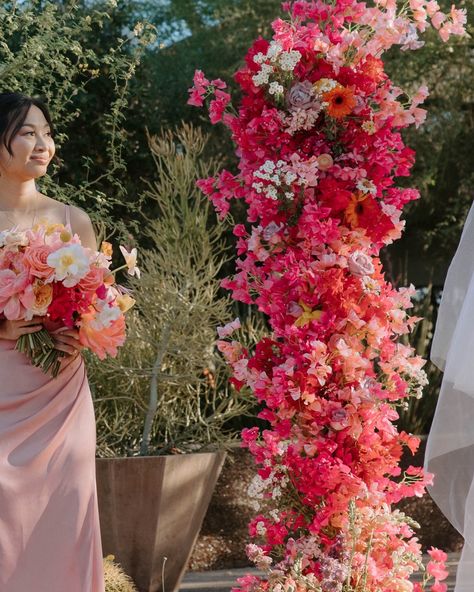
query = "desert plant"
{"x": 416, "y": 415}
{"x": 169, "y": 387}
{"x": 116, "y": 580}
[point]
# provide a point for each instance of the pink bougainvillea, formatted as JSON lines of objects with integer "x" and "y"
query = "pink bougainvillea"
{"x": 318, "y": 139}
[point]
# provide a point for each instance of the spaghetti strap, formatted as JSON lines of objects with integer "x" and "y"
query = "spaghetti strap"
{"x": 68, "y": 214}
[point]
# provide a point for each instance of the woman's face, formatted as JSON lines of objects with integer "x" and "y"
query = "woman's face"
{"x": 32, "y": 147}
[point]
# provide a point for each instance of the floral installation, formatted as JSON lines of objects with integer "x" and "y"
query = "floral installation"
{"x": 317, "y": 133}
{"x": 45, "y": 271}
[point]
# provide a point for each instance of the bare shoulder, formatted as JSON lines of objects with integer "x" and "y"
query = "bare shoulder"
{"x": 81, "y": 224}
{"x": 80, "y": 221}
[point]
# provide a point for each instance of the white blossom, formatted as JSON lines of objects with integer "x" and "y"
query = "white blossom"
{"x": 274, "y": 51}
{"x": 289, "y": 59}
{"x": 276, "y": 88}
{"x": 367, "y": 186}
{"x": 268, "y": 166}
{"x": 259, "y": 58}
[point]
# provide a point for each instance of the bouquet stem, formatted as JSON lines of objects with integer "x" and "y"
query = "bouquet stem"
{"x": 39, "y": 347}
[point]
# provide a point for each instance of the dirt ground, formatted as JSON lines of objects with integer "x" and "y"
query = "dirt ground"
{"x": 221, "y": 542}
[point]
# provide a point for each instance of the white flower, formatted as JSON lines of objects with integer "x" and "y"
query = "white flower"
{"x": 370, "y": 285}
{"x": 274, "y": 50}
{"x": 276, "y": 89}
{"x": 272, "y": 192}
{"x": 290, "y": 177}
{"x": 367, "y": 186}
{"x": 70, "y": 264}
{"x": 369, "y": 127}
{"x": 274, "y": 514}
{"x": 268, "y": 166}
{"x": 131, "y": 260}
{"x": 13, "y": 238}
{"x": 260, "y": 79}
{"x": 267, "y": 69}
{"x": 324, "y": 85}
{"x": 106, "y": 315}
{"x": 289, "y": 59}
{"x": 259, "y": 58}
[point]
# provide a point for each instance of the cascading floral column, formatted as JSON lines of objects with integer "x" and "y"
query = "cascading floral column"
{"x": 317, "y": 135}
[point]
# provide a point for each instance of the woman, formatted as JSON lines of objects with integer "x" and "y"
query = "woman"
{"x": 49, "y": 523}
{"x": 450, "y": 447}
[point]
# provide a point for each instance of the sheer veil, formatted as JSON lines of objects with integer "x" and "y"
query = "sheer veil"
{"x": 450, "y": 446}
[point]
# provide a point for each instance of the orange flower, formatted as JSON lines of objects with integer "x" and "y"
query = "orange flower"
{"x": 363, "y": 211}
{"x": 341, "y": 101}
{"x": 360, "y": 206}
{"x": 103, "y": 342}
{"x": 125, "y": 302}
{"x": 43, "y": 297}
{"x": 106, "y": 249}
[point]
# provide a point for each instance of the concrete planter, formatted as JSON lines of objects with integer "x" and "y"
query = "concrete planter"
{"x": 152, "y": 508}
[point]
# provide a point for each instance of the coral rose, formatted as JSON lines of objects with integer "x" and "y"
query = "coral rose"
{"x": 35, "y": 259}
{"x": 93, "y": 279}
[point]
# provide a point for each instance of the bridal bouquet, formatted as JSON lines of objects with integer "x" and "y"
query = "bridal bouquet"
{"x": 46, "y": 271}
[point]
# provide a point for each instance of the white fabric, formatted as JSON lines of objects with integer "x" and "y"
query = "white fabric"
{"x": 450, "y": 446}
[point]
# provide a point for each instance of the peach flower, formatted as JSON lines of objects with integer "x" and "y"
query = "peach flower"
{"x": 125, "y": 302}
{"x": 106, "y": 249}
{"x": 43, "y": 297}
{"x": 35, "y": 259}
{"x": 103, "y": 342}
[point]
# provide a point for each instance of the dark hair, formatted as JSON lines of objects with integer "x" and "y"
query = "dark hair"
{"x": 14, "y": 108}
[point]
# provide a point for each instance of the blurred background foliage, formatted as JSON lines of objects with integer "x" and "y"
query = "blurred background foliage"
{"x": 117, "y": 71}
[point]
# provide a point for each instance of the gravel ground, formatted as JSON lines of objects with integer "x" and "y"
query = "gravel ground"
{"x": 221, "y": 542}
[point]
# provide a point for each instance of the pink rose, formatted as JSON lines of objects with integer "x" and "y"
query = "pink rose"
{"x": 360, "y": 264}
{"x": 35, "y": 259}
{"x": 300, "y": 96}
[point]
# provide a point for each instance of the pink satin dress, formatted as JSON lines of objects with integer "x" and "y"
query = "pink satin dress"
{"x": 49, "y": 520}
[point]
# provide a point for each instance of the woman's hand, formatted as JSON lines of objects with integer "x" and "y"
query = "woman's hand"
{"x": 67, "y": 340}
{"x": 14, "y": 329}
